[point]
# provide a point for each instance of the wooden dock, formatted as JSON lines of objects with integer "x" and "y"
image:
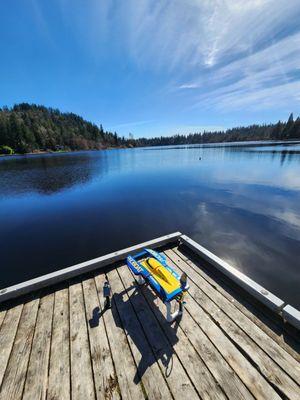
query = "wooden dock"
{"x": 60, "y": 343}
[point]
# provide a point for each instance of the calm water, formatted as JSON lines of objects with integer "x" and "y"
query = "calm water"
{"x": 243, "y": 203}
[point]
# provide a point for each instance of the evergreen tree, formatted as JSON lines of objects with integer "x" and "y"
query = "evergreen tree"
{"x": 28, "y": 127}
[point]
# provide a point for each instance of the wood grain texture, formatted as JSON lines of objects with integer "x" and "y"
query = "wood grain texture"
{"x": 175, "y": 374}
{"x": 244, "y": 305}
{"x": 2, "y": 315}
{"x": 206, "y": 386}
{"x": 200, "y": 291}
{"x": 82, "y": 383}
{"x": 147, "y": 368}
{"x": 59, "y": 367}
{"x": 203, "y": 359}
{"x": 106, "y": 382}
{"x": 16, "y": 371}
{"x": 37, "y": 371}
{"x": 123, "y": 360}
{"x": 7, "y": 336}
{"x": 252, "y": 377}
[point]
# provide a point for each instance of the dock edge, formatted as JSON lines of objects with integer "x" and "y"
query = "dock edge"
{"x": 287, "y": 312}
{"x": 269, "y": 299}
{"x": 82, "y": 268}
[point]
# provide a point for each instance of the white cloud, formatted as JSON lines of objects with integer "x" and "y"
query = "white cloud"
{"x": 188, "y": 86}
{"x": 274, "y": 71}
{"x": 232, "y": 53}
{"x": 132, "y": 124}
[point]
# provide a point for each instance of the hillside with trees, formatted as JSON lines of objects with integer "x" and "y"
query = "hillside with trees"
{"x": 289, "y": 130}
{"x": 28, "y": 128}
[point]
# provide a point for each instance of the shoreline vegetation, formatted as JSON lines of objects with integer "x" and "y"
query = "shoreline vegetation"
{"x": 34, "y": 129}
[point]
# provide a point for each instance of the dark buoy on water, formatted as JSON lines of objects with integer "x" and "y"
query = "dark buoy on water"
{"x": 200, "y": 158}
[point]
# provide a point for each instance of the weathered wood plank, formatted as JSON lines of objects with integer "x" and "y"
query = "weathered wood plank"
{"x": 15, "y": 374}
{"x": 247, "y": 373}
{"x": 82, "y": 384}
{"x": 106, "y": 382}
{"x": 2, "y": 315}
{"x": 228, "y": 380}
{"x": 178, "y": 380}
{"x": 7, "y": 336}
{"x": 59, "y": 368}
{"x": 37, "y": 370}
{"x": 266, "y": 323}
{"x": 211, "y": 367}
{"x": 197, "y": 303}
{"x": 271, "y": 347}
{"x": 265, "y": 363}
{"x": 123, "y": 360}
{"x": 147, "y": 368}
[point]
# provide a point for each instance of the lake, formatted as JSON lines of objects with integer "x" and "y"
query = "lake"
{"x": 241, "y": 202}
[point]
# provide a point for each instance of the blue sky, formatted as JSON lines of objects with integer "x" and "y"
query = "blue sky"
{"x": 154, "y": 67}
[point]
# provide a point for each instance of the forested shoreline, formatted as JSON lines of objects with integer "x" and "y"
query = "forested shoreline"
{"x": 30, "y": 128}
{"x": 289, "y": 130}
{"x": 27, "y": 128}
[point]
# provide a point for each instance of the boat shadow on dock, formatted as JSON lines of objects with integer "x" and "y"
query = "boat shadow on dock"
{"x": 132, "y": 304}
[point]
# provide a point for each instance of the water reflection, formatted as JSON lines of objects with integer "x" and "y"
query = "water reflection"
{"x": 240, "y": 202}
{"x": 48, "y": 174}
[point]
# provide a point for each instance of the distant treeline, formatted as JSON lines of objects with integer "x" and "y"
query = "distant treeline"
{"x": 280, "y": 131}
{"x": 27, "y": 128}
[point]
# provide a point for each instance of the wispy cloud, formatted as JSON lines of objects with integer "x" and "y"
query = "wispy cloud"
{"x": 186, "y": 129}
{"x": 269, "y": 77}
{"x": 220, "y": 54}
{"x": 132, "y": 124}
{"x": 188, "y": 86}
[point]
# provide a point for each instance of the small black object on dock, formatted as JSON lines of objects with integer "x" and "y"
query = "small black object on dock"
{"x": 106, "y": 294}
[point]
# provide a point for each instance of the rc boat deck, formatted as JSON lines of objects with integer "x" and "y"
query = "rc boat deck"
{"x": 58, "y": 342}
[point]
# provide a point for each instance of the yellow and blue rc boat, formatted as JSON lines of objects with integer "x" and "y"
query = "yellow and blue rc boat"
{"x": 152, "y": 268}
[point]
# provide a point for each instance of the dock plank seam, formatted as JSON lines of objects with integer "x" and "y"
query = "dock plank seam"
{"x": 165, "y": 336}
{"x": 82, "y": 380}
{"x": 244, "y": 305}
{"x": 263, "y": 368}
{"x": 136, "y": 390}
{"x": 245, "y": 390}
{"x": 273, "y": 350}
{"x": 36, "y": 381}
{"x": 266, "y": 342}
{"x": 70, "y": 357}
{"x": 2, "y": 316}
{"x": 12, "y": 345}
{"x": 50, "y": 344}
{"x": 36, "y": 318}
{"x": 191, "y": 315}
{"x": 247, "y": 381}
{"x": 58, "y": 381}
{"x": 106, "y": 332}
{"x": 145, "y": 337}
{"x": 182, "y": 330}
{"x": 89, "y": 340}
{"x": 142, "y": 380}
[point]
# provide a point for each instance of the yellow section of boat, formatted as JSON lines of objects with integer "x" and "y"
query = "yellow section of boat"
{"x": 164, "y": 277}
